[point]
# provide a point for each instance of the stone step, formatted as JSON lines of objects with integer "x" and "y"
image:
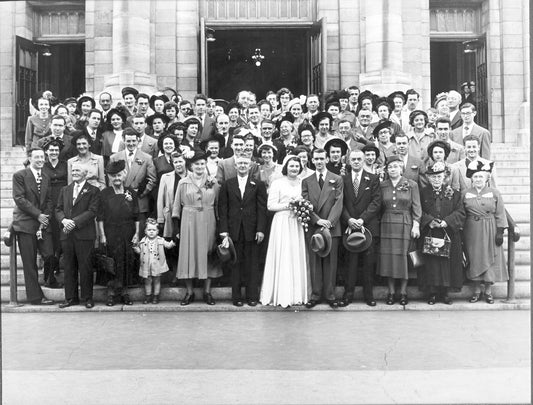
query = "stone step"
{"x": 510, "y": 189}
{"x": 518, "y": 170}
{"x": 499, "y": 291}
{"x": 7, "y": 202}
{"x": 514, "y": 181}
{"x": 514, "y": 162}
{"x": 6, "y": 185}
{"x": 516, "y": 198}
{"x": 13, "y": 153}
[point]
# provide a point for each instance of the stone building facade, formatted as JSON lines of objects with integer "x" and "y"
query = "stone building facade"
{"x": 317, "y": 45}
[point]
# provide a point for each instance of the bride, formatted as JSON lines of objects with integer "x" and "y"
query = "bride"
{"x": 286, "y": 273}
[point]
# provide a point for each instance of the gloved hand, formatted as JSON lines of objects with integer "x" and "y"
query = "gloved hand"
{"x": 499, "y": 237}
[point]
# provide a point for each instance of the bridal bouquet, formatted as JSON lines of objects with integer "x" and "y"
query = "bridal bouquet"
{"x": 302, "y": 208}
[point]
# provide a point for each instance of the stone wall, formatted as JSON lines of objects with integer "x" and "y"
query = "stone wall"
{"x": 7, "y": 73}
{"x": 187, "y": 49}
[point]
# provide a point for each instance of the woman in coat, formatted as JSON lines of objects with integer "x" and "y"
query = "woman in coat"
{"x": 483, "y": 231}
{"x": 442, "y": 215}
{"x": 400, "y": 223}
{"x": 118, "y": 224}
{"x": 94, "y": 163}
{"x": 194, "y": 208}
{"x": 165, "y": 201}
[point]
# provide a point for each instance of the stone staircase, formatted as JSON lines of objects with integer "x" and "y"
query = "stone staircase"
{"x": 512, "y": 166}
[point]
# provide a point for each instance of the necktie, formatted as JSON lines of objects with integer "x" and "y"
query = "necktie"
{"x": 39, "y": 180}
{"x": 76, "y": 192}
{"x": 466, "y": 131}
{"x": 130, "y": 158}
{"x": 321, "y": 181}
{"x": 356, "y": 185}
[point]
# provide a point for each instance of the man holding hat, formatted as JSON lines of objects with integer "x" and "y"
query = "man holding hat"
{"x": 242, "y": 212}
{"x": 362, "y": 203}
{"x": 324, "y": 190}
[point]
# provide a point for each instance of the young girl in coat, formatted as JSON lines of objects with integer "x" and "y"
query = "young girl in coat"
{"x": 153, "y": 262}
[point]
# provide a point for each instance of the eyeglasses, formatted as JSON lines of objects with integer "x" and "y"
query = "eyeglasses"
{"x": 466, "y": 113}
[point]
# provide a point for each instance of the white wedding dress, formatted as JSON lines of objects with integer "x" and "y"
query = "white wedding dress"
{"x": 285, "y": 279}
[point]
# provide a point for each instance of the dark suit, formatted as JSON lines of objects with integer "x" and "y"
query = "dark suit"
{"x": 208, "y": 128}
{"x": 29, "y": 204}
{"x": 68, "y": 150}
{"x": 327, "y": 204}
{"x": 242, "y": 217}
{"x": 96, "y": 146}
{"x": 78, "y": 244}
{"x": 414, "y": 169}
{"x": 365, "y": 206}
{"x": 457, "y": 121}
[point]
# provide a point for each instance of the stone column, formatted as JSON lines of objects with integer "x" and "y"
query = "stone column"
{"x": 382, "y": 70}
{"x": 132, "y": 44}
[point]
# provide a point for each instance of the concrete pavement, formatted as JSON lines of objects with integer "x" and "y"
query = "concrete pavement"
{"x": 267, "y": 357}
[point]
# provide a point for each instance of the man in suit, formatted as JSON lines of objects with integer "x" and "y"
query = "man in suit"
{"x": 324, "y": 190}
{"x": 93, "y": 130}
{"x": 362, "y": 203}
{"x": 472, "y": 148}
{"x": 254, "y": 121}
{"x": 442, "y": 132}
{"x": 469, "y": 127}
{"x": 76, "y": 209}
{"x": 31, "y": 220}
{"x": 413, "y": 167}
{"x": 140, "y": 171}
{"x": 207, "y": 123}
{"x": 362, "y": 128}
{"x": 242, "y": 211}
{"x": 57, "y": 126}
{"x": 226, "y": 167}
{"x": 222, "y": 124}
{"x": 147, "y": 144}
{"x": 454, "y": 101}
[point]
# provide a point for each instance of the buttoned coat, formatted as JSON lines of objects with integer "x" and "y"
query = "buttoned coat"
{"x": 29, "y": 203}
{"x": 248, "y": 210}
{"x": 367, "y": 204}
{"x": 485, "y": 139}
{"x": 327, "y": 202}
{"x": 83, "y": 211}
{"x": 165, "y": 202}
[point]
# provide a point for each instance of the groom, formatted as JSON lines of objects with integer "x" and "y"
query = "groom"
{"x": 324, "y": 190}
{"x": 242, "y": 212}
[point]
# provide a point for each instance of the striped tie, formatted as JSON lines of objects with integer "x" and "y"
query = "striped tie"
{"x": 356, "y": 185}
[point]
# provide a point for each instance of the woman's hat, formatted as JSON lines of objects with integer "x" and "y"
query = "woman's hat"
{"x": 80, "y": 134}
{"x": 198, "y": 155}
{"x": 162, "y": 97}
{"x": 83, "y": 99}
{"x": 436, "y": 168}
{"x": 321, "y": 242}
{"x": 151, "y": 118}
{"x": 231, "y": 105}
{"x": 441, "y": 144}
{"x": 382, "y": 125}
{"x": 221, "y": 103}
{"x": 357, "y": 241}
{"x": 70, "y": 100}
{"x": 383, "y": 101}
{"x": 264, "y": 146}
{"x": 371, "y": 148}
{"x": 479, "y": 166}
{"x": 391, "y": 159}
{"x": 129, "y": 90}
{"x": 367, "y": 94}
{"x": 294, "y": 101}
{"x": 320, "y": 116}
{"x": 286, "y": 116}
{"x": 53, "y": 140}
{"x": 339, "y": 143}
{"x": 115, "y": 167}
{"x": 192, "y": 120}
{"x": 440, "y": 97}
{"x": 227, "y": 254}
{"x": 395, "y": 94}
{"x": 116, "y": 111}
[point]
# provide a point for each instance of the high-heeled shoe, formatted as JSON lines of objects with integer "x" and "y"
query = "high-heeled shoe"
{"x": 110, "y": 301}
{"x": 155, "y": 299}
{"x": 126, "y": 300}
{"x": 474, "y": 298}
{"x": 188, "y": 299}
{"x": 403, "y": 299}
{"x": 489, "y": 299}
{"x": 147, "y": 299}
{"x": 432, "y": 299}
{"x": 390, "y": 299}
{"x": 208, "y": 299}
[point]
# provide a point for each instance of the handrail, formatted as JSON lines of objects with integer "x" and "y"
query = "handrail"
{"x": 13, "y": 282}
{"x": 513, "y": 236}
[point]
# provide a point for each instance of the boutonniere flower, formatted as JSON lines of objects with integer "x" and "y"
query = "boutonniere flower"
{"x": 332, "y": 182}
{"x": 128, "y": 196}
{"x": 403, "y": 186}
{"x": 367, "y": 178}
{"x": 448, "y": 193}
{"x": 252, "y": 183}
{"x": 414, "y": 167}
{"x": 139, "y": 161}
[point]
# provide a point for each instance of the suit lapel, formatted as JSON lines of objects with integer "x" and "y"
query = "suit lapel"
{"x": 314, "y": 191}
{"x": 32, "y": 182}
{"x": 324, "y": 192}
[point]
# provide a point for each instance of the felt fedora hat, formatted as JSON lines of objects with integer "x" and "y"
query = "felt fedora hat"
{"x": 357, "y": 241}
{"x": 227, "y": 254}
{"x": 321, "y": 242}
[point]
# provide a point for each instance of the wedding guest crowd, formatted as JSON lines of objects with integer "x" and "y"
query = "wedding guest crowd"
{"x": 282, "y": 196}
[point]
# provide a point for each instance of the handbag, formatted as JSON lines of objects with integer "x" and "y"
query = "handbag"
{"x": 105, "y": 262}
{"x": 437, "y": 246}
